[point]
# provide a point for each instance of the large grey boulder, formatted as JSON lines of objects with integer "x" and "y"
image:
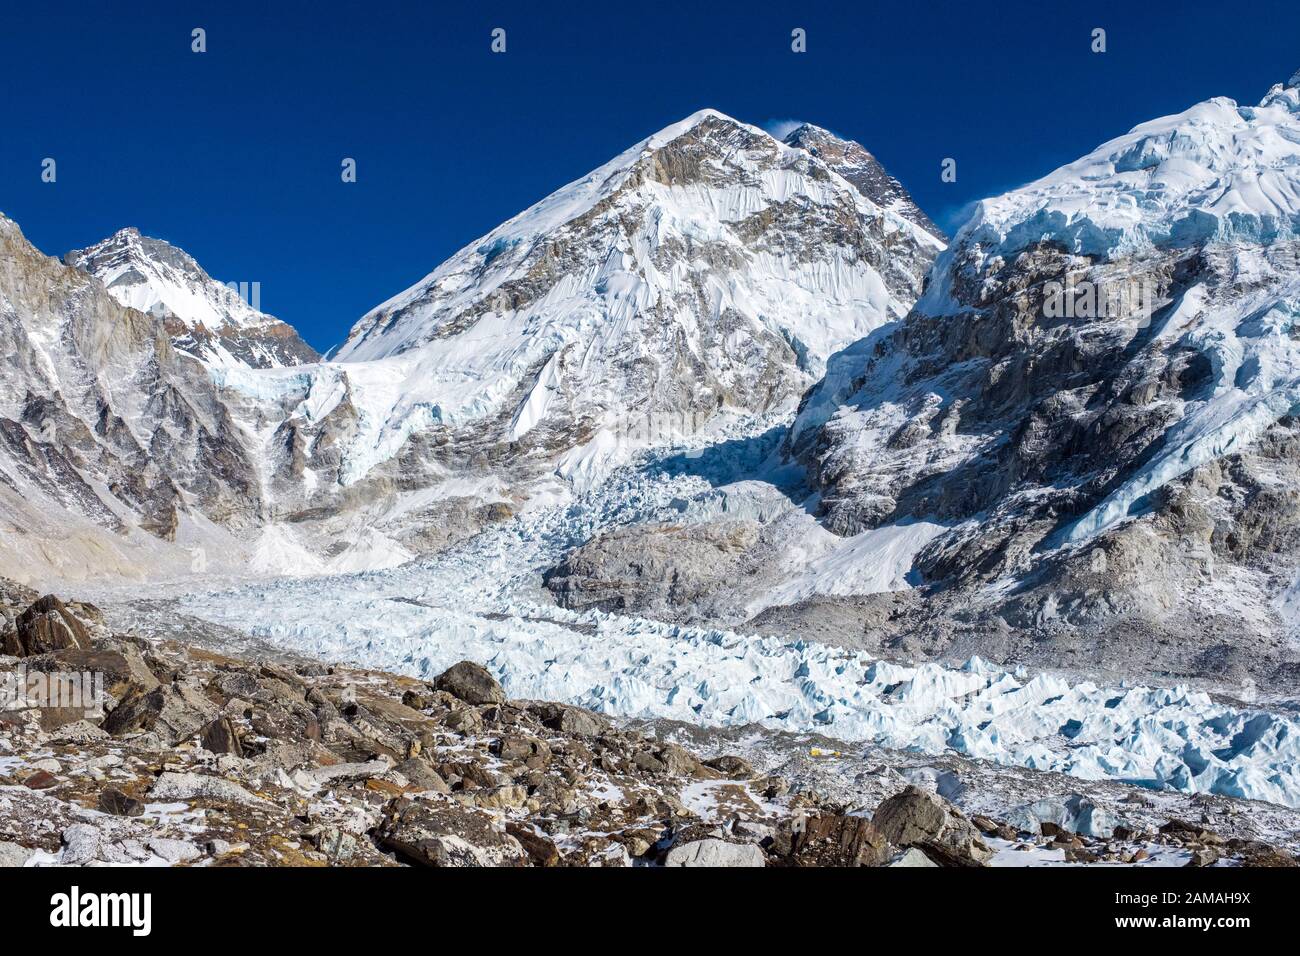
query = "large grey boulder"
{"x": 919, "y": 818}
{"x": 173, "y": 712}
{"x": 713, "y": 852}
{"x": 197, "y": 786}
{"x": 471, "y": 683}
{"x": 13, "y": 855}
{"x": 449, "y": 835}
{"x": 912, "y": 857}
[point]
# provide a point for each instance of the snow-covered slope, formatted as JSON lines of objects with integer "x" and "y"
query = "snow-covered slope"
{"x": 698, "y": 279}
{"x": 1096, "y": 393}
{"x": 701, "y": 277}
{"x": 1216, "y": 172}
{"x": 707, "y": 268}
{"x": 205, "y": 318}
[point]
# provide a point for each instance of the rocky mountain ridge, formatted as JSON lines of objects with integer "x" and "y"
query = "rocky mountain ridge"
{"x": 851, "y": 161}
{"x": 1124, "y": 468}
{"x": 109, "y": 437}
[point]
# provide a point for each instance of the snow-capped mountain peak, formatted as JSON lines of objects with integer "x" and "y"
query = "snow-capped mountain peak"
{"x": 851, "y": 161}
{"x": 703, "y": 176}
{"x": 707, "y": 267}
{"x": 1095, "y": 398}
{"x": 206, "y": 318}
{"x": 1217, "y": 171}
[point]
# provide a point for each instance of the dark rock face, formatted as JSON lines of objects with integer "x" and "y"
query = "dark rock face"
{"x": 119, "y": 804}
{"x": 569, "y": 720}
{"x": 173, "y": 712}
{"x": 220, "y": 737}
{"x": 833, "y": 840}
{"x": 1009, "y": 427}
{"x": 124, "y": 669}
{"x": 44, "y": 627}
{"x": 447, "y": 836}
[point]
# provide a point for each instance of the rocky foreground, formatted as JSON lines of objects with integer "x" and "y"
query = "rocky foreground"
{"x": 198, "y": 758}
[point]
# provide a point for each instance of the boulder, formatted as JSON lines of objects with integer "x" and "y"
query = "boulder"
{"x": 432, "y": 834}
{"x": 597, "y": 851}
{"x": 919, "y": 818}
{"x": 197, "y": 786}
{"x": 680, "y": 762}
{"x": 912, "y": 857}
{"x": 532, "y": 751}
{"x": 714, "y": 852}
{"x": 123, "y": 667}
{"x": 422, "y": 776}
{"x": 13, "y": 855}
{"x": 735, "y": 768}
{"x": 46, "y": 626}
{"x": 119, "y": 804}
{"x": 220, "y": 737}
{"x": 235, "y": 684}
{"x": 568, "y": 720}
{"x": 173, "y": 712}
{"x": 832, "y": 839}
{"x": 541, "y": 850}
{"x": 471, "y": 683}
{"x": 174, "y": 851}
{"x": 1257, "y": 853}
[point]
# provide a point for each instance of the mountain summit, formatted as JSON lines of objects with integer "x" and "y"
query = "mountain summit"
{"x": 205, "y": 318}
{"x": 707, "y": 269}
{"x": 864, "y": 171}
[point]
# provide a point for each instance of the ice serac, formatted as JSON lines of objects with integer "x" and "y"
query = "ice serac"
{"x": 1096, "y": 396}
{"x": 205, "y": 318}
{"x": 864, "y": 171}
{"x": 709, "y": 269}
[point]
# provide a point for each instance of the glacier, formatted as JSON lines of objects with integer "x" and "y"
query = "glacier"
{"x": 482, "y": 601}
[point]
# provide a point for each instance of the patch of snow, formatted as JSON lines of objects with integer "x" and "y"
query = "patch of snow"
{"x": 867, "y": 563}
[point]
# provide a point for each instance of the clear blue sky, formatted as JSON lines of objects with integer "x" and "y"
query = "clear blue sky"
{"x": 234, "y": 154}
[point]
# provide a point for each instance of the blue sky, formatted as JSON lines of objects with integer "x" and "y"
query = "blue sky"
{"x": 235, "y": 154}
